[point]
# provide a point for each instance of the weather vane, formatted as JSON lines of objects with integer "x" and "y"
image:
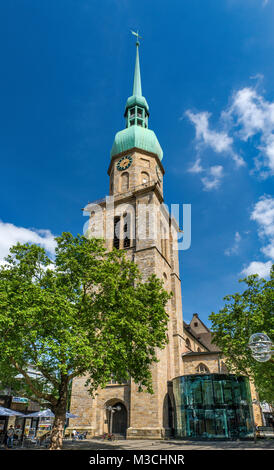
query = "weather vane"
{"x": 137, "y": 35}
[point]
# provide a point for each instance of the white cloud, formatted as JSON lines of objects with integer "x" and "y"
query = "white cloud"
{"x": 196, "y": 167}
{"x": 235, "y": 247}
{"x": 11, "y": 234}
{"x": 263, "y": 214}
{"x": 248, "y": 118}
{"x": 213, "y": 178}
{"x": 268, "y": 251}
{"x": 212, "y": 175}
{"x": 257, "y": 267}
{"x": 218, "y": 141}
{"x": 251, "y": 114}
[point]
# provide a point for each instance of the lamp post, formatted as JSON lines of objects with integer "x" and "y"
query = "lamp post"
{"x": 261, "y": 348}
{"x": 112, "y": 410}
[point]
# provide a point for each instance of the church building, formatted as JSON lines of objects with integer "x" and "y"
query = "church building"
{"x": 193, "y": 394}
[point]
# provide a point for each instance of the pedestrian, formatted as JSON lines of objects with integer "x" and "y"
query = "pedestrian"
{"x": 74, "y": 434}
{"x": 18, "y": 433}
{"x": 5, "y": 439}
{"x": 10, "y": 435}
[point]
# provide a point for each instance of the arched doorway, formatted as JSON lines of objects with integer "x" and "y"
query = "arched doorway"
{"x": 168, "y": 416}
{"x": 117, "y": 418}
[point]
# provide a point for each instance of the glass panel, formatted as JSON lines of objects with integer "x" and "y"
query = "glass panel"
{"x": 236, "y": 390}
{"x": 197, "y": 392}
{"x": 248, "y": 422}
{"x": 207, "y": 392}
{"x": 241, "y": 421}
{"x": 244, "y": 391}
{"x": 210, "y": 423}
{"x": 212, "y": 406}
{"x": 227, "y": 392}
{"x": 221, "y": 423}
{"x": 200, "y": 423}
{"x": 190, "y": 425}
{"x": 218, "y": 390}
{"x": 231, "y": 423}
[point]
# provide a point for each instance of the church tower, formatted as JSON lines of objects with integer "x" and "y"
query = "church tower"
{"x": 133, "y": 218}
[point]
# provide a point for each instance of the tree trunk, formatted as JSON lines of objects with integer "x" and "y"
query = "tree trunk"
{"x": 56, "y": 437}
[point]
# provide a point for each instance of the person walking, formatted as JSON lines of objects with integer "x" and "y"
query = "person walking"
{"x": 5, "y": 439}
{"x": 10, "y": 436}
{"x": 18, "y": 433}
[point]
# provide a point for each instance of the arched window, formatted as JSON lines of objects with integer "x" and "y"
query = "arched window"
{"x": 188, "y": 344}
{"x": 116, "y": 234}
{"x": 124, "y": 181}
{"x": 144, "y": 177}
{"x": 202, "y": 368}
{"x": 127, "y": 228}
{"x": 163, "y": 235}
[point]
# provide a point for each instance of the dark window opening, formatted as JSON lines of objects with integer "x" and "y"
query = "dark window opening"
{"x": 202, "y": 368}
{"x": 126, "y": 242}
{"x": 188, "y": 345}
{"x": 126, "y": 226}
{"x": 116, "y": 237}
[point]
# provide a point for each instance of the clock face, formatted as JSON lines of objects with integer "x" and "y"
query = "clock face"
{"x": 124, "y": 163}
{"x": 159, "y": 174}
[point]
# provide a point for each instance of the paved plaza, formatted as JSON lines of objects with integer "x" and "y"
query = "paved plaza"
{"x": 99, "y": 444}
{"x": 153, "y": 445}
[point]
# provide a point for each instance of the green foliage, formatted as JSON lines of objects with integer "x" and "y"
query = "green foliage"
{"x": 87, "y": 313}
{"x": 245, "y": 314}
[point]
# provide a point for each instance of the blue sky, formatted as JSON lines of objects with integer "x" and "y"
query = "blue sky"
{"x": 208, "y": 76}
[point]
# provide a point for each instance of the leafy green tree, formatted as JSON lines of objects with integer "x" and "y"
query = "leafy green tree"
{"x": 245, "y": 314}
{"x": 88, "y": 313}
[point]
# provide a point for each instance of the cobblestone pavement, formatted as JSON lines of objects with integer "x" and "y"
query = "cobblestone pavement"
{"x": 96, "y": 444}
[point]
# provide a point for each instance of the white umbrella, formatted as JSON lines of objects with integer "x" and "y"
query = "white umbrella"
{"x": 47, "y": 414}
{"x": 41, "y": 414}
{"x": 8, "y": 412}
{"x": 71, "y": 415}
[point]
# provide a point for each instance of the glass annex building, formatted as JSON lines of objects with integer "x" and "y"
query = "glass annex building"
{"x": 213, "y": 406}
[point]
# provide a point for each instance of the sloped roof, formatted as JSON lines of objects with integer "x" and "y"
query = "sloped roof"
{"x": 204, "y": 338}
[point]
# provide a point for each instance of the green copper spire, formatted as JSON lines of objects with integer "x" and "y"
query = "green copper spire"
{"x": 137, "y": 87}
{"x": 136, "y": 134}
{"x": 137, "y": 98}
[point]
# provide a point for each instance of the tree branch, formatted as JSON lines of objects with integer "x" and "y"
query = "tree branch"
{"x": 45, "y": 373}
{"x": 43, "y": 396}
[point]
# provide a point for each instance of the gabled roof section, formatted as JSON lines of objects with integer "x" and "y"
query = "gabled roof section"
{"x": 201, "y": 333}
